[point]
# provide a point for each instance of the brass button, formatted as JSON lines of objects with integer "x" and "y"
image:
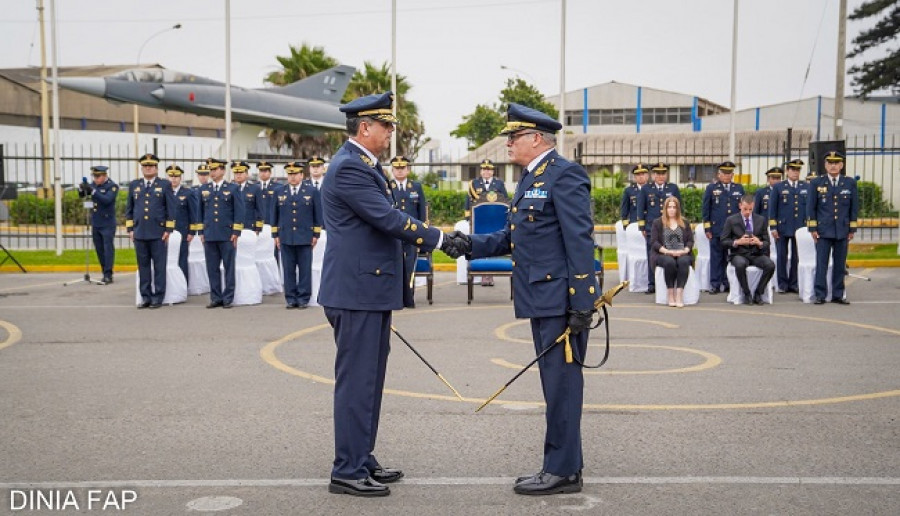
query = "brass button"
{"x": 515, "y": 209}
{"x": 146, "y": 217}
{"x": 414, "y": 227}
{"x": 512, "y": 227}
{"x": 513, "y": 263}
{"x": 591, "y": 290}
{"x": 419, "y": 241}
{"x": 512, "y": 246}
{"x": 572, "y": 290}
{"x": 377, "y": 272}
{"x": 549, "y": 276}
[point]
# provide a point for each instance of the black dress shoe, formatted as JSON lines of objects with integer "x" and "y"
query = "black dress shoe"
{"x": 757, "y": 299}
{"x": 529, "y": 477}
{"x": 385, "y": 475}
{"x": 651, "y": 290}
{"x": 793, "y": 290}
{"x": 145, "y": 304}
{"x": 303, "y": 306}
{"x": 547, "y": 484}
{"x": 227, "y": 305}
{"x": 154, "y": 306}
{"x": 819, "y": 301}
{"x": 713, "y": 291}
{"x": 107, "y": 280}
{"x": 214, "y": 304}
{"x": 364, "y": 487}
{"x": 290, "y": 306}
{"x": 840, "y": 301}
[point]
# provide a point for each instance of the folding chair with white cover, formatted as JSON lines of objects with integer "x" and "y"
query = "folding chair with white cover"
{"x": 247, "y": 285}
{"x": 317, "y": 258}
{"x": 176, "y": 284}
{"x": 701, "y": 262}
{"x": 754, "y": 274}
{"x": 621, "y": 251}
{"x": 462, "y": 265}
{"x": 806, "y": 266}
{"x": 270, "y": 273}
{"x": 691, "y": 288}
{"x": 198, "y": 278}
{"x": 636, "y": 247}
{"x": 773, "y": 252}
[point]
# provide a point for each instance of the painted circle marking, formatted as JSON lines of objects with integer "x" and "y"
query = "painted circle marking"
{"x": 14, "y": 334}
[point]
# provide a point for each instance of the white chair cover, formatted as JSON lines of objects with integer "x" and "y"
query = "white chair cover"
{"x": 247, "y": 285}
{"x": 621, "y": 251}
{"x": 270, "y": 272}
{"x": 317, "y": 258}
{"x": 461, "y": 263}
{"x": 701, "y": 262}
{"x": 637, "y": 259}
{"x": 754, "y": 274}
{"x": 773, "y": 249}
{"x": 198, "y": 278}
{"x": 806, "y": 266}
{"x": 176, "y": 284}
{"x": 691, "y": 288}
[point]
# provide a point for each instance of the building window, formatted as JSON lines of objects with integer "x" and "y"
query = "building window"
{"x": 627, "y": 116}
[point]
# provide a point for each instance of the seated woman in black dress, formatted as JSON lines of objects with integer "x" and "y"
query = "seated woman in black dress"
{"x": 671, "y": 242}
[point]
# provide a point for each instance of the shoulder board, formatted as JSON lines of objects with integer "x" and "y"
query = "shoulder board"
{"x": 366, "y": 160}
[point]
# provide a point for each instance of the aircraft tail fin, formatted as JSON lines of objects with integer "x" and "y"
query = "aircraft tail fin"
{"x": 328, "y": 86}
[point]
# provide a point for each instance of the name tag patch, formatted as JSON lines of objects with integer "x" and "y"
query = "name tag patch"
{"x": 536, "y": 194}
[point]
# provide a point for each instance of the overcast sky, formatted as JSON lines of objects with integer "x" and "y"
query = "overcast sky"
{"x": 452, "y": 51}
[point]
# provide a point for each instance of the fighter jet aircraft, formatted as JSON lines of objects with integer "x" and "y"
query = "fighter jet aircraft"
{"x": 308, "y": 106}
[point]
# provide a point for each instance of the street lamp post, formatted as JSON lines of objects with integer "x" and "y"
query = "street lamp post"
{"x": 520, "y": 72}
{"x": 137, "y": 123}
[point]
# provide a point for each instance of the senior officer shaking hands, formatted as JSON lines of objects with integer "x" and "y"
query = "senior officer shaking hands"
{"x": 362, "y": 282}
{"x": 549, "y": 233}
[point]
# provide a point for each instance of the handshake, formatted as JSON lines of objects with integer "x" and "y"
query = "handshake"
{"x": 456, "y": 244}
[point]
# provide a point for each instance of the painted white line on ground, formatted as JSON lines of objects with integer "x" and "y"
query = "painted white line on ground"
{"x": 456, "y": 481}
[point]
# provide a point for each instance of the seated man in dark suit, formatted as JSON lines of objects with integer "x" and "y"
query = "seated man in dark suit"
{"x": 747, "y": 236}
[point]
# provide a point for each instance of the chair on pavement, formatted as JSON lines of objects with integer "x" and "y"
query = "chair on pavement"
{"x": 691, "y": 288}
{"x": 637, "y": 259}
{"x": 621, "y": 251}
{"x": 701, "y": 261}
{"x": 754, "y": 274}
{"x": 198, "y": 278}
{"x": 270, "y": 273}
{"x": 247, "y": 285}
{"x": 176, "y": 284}
{"x": 425, "y": 269}
{"x": 488, "y": 217}
{"x": 317, "y": 258}
{"x": 806, "y": 267}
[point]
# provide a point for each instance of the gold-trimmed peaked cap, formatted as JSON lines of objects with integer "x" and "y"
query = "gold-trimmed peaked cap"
{"x": 174, "y": 171}
{"x": 399, "y": 161}
{"x": 315, "y": 161}
{"x": 264, "y": 165}
{"x": 486, "y": 163}
{"x": 774, "y": 172}
{"x": 834, "y": 157}
{"x": 293, "y": 167}
{"x": 795, "y": 164}
{"x": 214, "y": 163}
{"x": 240, "y": 166}
{"x": 378, "y": 106}
{"x": 519, "y": 118}
{"x": 727, "y": 167}
{"x": 202, "y": 170}
{"x": 660, "y": 168}
{"x": 99, "y": 170}
{"x": 149, "y": 159}
{"x": 640, "y": 168}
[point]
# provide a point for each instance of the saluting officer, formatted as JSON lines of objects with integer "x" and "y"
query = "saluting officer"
{"x": 481, "y": 186}
{"x": 251, "y": 194}
{"x": 832, "y": 209}
{"x": 721, "y": 200}
{"x": 268, "y": 191}
{"x": 763, "y": 195}
{"x": 222, "y": 213}
{"x": 410, "y": 198}
{"x": 628, "y": 211}
{"x": 296, "y": 225}
{"x": 650, "y": 205}
{"x": 103, "y": 193}
{"x": 187, "y": 214}
{"x": 150, "y": 218}
{"x": 787, "y": 214}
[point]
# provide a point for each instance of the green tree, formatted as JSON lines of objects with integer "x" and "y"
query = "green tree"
{"x": 480, "y": 127}
{"x": 520, "y": 92}
{"x": 883, "y": 73}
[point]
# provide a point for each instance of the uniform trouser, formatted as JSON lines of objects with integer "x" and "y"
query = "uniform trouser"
{"x": 563, "y": 386}
{"x": 825, "y": 247}
{"x": 151, "y": 259}
{"x": 183, "y": 252}
{"x": 410, "y": 255}
{"x": 106, "y": 251}
{"x": 718, "y": 261}
{"x": 675, "y": 269}
{"x": 763, "y": 263}
{"x": 220, "y": 252}
{"x": 787, "y": 278}
{"x": 296, "y": 263}
{"x": 651, "y": 274}
{"x": 363, "y": 344}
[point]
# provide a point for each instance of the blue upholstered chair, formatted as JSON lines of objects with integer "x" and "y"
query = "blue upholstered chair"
{"x": 488, "y": 217}
{"x": 425, "y": 269}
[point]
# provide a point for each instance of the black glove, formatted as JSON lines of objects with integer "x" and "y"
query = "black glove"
{"x": 580, "y": 320}
{"x": 456, "y": 244}
{"x": 463, "y": 241}
{"x": 85, "y": 189}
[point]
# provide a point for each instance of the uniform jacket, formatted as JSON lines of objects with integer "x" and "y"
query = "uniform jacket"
{"x": 719, "y": 204}
{"x": 266, "y": 201}
{"x": 832, "y": 211}
{"x": 187, "y": 210}
{"x": 411, "y": 200}
{"x": 628, "y": 211}
{"x": 651, "y": 201}
{"x": 149, "y": 212}
{"x": 549, "y": 233}
{"x": 761, "y": 200}
{"x": 254, "y": 216}
{"x": 477, "y": 190}
{"x": 787, "y": 207}
{"x": 734, "y": 229}
{"x": 103, "y": 214}
{"x": 297, "y": 219}
{"x": 222, "y": 212}
{"x": 363, "y": 263}
{"x": 657, "y": 240}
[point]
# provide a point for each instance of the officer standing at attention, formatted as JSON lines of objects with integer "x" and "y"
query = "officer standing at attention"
{"x": 650, "y": 205}
{"x": 763, "y": 195}
{"x": 362, "y": 282}
{"x": 202, "y": 175}
{"x": 549, "y": 233}
{"x": 251, "y": 194}
{"x": 721, "y": 200}
{"x": 187, "y": 213}
{"x": 832, "y": 209}
{"x": 296, "y": 224}
{"x": 103, "y": 193}
{"x": 316, "y": 166}
{"x": 150, "y": 218}
{"x": 480, "y": 187}
{"x": 268, "y": 191}
{"x": 222, "y": 213}
{"x": 628, "y": 211}
{"x": 410, "y": 198}
{"x": 787, "y": 214}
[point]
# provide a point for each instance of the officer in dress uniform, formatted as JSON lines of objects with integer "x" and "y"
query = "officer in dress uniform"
{"x": 187, "y": 213}
{"x": 481, "y": 186}
{"x": 549, "y": 234}
{"x": 628, "y": 211}
{"x": 410, "y": 198}
{"x": 763, "y": 195}
{"x": 251, "y": 194}
{"x": 787, "y": 214}
{"x": 150, "y": 218}
{"x": 316, "y": 166}
{"x": 222, "y": 216}
{"x": 202, "y": 173}
{"x": 650, "y": 204}
{"x": 362, "y": 282}
{"x": 296, "y": 224}
{"x": 832, "y": 208}
{"x": 721, "y": 200}
{"x": 103, "y": 193}
{"x": 268, "y": 191}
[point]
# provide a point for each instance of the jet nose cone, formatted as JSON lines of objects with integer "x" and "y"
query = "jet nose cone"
{"x": 90, "y": 85}
{"x": 159, "y": 93}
